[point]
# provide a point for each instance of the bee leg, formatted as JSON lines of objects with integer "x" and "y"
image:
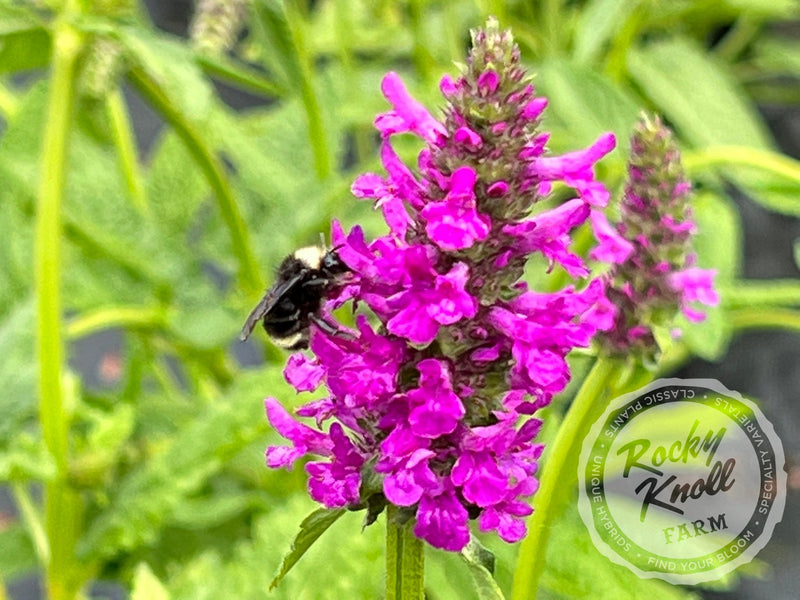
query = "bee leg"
{"x": 287, "y": 319}
{"x": 315, "y": 282}
{"x": 329, "y": 328}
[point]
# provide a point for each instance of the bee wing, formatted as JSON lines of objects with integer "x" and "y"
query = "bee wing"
{"x": 267, "y": 302}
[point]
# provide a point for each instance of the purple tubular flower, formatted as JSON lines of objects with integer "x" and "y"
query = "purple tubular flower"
{"x": 432, "y": 395}
{"x": 304, "y": 439}
{"x": 694, "y": 285}
{"x": 454, "y": 224}
{"x": 443, "y": 521}
{"x": 408, "y": 114}
{"x": 576, "y": 169}
{"x": 612, "y": 247}
{"x": 652, "y": 276}
{"x": 548, "y": 233}
{"x": 336, "y": 483}
{"x": 436, "y": 408}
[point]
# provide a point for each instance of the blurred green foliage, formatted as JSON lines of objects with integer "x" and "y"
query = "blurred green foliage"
{"x": 156, "y": 478}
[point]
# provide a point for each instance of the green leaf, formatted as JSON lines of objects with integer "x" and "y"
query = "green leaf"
{"x": 288, "y": 52}
{"x": 18, "y": 556}
{"x": 719, "y": 235}
{"x": 145, "y": 499}
{"x": 771, "y": 191}
{"x": 598, "y": 22}
{"x": 312, "y": 527}
{"x": 214, "y": 510}
{"x": 173, "y": 67}
{"x": 770, "y": 178}
{"x": 19, "y": 399}
{"x": 283, "y": 203}
{"x": 278, "y": 52}
{"x": 718, "y": 246}
{"x": 576, "y": 570}
{"x": 344, "y": 563}
{"x": 778, "y": 55}
{"x": 26, "y": 458}
{"x": 697, "y": 94}
{"x": 113, "y": 254}
{"x": 24, "y": 42}
{"x": 708, "y": 339}
{"x": 481, "y": 566}
{"x": 587, "y": 103}
{"x": 771, "y": 9}
{"x": 146, "y": 585}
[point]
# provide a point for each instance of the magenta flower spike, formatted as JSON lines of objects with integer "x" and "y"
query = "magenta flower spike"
{"x": 653, "y": 275}
{"x": 431, "y": 396}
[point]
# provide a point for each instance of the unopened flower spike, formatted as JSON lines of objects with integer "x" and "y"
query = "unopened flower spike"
{"x": 654, "y": 274}
{"x": 431, "y": 397}
{"x": 216, "y": 24}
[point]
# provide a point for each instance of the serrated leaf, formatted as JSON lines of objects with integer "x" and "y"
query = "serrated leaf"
{"x": 284, "y": 203}
{"x": 312, "y": 527}
{"x": 26, "y": 458}
{"x": 344, "y": 563}
{"x": 19, "y": 397}
{"x": 481, "y": 566}
{"x": 697, "y": 94}
{"x": 112, "y": 250}
{"x": 146, "y": 586}
{"x": 145, "y": 499}
{"x": 587, "y": 103}
{"x": 212, "y": 511}
{"x": 576, "y": 570}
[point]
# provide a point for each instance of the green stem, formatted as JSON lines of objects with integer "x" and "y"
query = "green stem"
{"x": 738, "y": 38}
{"x": 405, "y": 560}
{"x": 125, "y": 143}
{"x": 9, "y": 103}
{"x": 133, "y": 317}
{"x": 559, "y": 475}
{"x": 249, "y": 273}
{"x": 63, "y": 506}
{"x": 761, "y": 318}
{"x": 752, "y": 293}
{"x": 32, "y": 520}
{"x": 242, "y": 77}
{"x": 316, "y": 127}
{"x": 727, "y": 156}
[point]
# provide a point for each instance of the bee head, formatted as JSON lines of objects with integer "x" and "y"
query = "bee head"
{"x": 332, "y": 264}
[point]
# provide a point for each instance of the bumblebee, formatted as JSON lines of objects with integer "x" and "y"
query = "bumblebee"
{"x": 290, "y": 306}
